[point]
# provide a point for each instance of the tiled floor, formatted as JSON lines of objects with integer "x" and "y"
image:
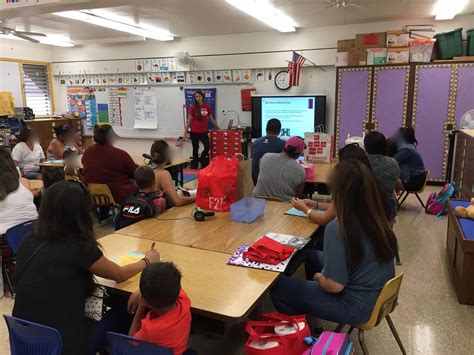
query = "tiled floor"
{"x": 429, "y": 318}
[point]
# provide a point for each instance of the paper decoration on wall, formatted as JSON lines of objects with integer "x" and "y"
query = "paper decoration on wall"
{"x": 166, "y": 78}
{"x": 146, "y": 65}
{"x": 135, "y": 78}
{"x": 199, "y": 77}
{"x": 155, "y": 65}
{"x": 151, "y": 78}
{"x": 139, "y": 65}
{"x": 104, "y": 79}
{"x": 174, "y": 78}
{"x": 81, "y": 101}
{"x": 103, "y": 113}
{"x": 218, "y": 78}
{"x": 172, "y": 64}
{"x": 208, "y": 76}
{"x": 227, "y": 75}
{"x": 164, "y": 64}
{"x": 191, "y": 77}
{"x": 246, "y": 75}
{"x": 143, "y": 79}
{"x": 90, "y": 80}
{"x": 236, "y": 75}
{"x": 91, "y": 112}
{"x": 127, "y": 79}
{"x": 145, "y": 111}
{"x": 269, "y": 74}
{"x": 158, "y": 78}
{"x": 97, "y": 79}
{"x": 112, "y": 79}
{"x": 260, "y": 75}
{"x": 122, "y": 92}
{"x": 120, "y": 79}
{"x": 115, "y": 118}
{"x": 180, "y": 76}
{"x": 69, "y": 80}
{"x": 77, "y": 80}
{"x": 62, "y": 80}
{"x": 83, "y": 80}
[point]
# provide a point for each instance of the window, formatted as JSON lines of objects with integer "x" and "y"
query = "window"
{"x": 37, "y": 89}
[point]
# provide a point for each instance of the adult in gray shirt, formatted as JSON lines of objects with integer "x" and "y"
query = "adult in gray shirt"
{"x": 281, "y": 176}
{"x": 386, "y": 169}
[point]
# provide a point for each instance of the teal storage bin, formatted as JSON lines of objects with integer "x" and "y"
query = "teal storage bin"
{"x": 247, "y": 210}
{"x": 449, "y": 44}
{"x": 470, "y": 42}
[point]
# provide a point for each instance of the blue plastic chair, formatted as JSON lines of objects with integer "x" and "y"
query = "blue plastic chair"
{"x": 15, "y": 235}
{"x": 28, "y": 338}
{"x": 124, "y": 345}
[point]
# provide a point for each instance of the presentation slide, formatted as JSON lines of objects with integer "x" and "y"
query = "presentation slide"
{"x": 295, "y": 113}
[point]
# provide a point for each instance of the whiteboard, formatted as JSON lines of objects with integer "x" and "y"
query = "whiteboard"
{"x": 170, "y": 110}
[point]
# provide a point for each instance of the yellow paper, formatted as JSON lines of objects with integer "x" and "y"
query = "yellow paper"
{"x": 128, "y": 259}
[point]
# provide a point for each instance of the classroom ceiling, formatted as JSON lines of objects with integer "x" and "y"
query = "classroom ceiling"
{"x": 209, "y": 17}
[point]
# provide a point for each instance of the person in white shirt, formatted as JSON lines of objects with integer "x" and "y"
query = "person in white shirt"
{"x": 16, "y": 201}
{"x": 27, "y": 153}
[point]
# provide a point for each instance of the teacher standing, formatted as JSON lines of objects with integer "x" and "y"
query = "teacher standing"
{"x": 198, "y": 116}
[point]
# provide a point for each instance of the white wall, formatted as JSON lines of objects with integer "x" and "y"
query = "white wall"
{"x": 24, "y": 50}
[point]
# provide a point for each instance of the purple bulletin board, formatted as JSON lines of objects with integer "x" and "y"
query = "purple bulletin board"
{"x": 353, "y": 102}
{"x": 430, "y": 116}
{"x": 390, "y": 94}
{"x": 464, "y": 91}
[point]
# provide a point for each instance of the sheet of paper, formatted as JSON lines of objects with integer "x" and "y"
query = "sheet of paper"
{"x": 294, "y": 212}
{"x": 289, "y": 240}
{"x": 145, "y": 109}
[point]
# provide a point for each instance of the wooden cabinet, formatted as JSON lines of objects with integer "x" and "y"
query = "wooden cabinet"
{"x": 463, "y": 163}
{"x": 460, "y": 249}
{"x": 44, "y": 127}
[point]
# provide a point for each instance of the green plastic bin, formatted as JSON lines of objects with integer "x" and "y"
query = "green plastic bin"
{"x": 470, "y": 42}
{"x": 449, "y": 44}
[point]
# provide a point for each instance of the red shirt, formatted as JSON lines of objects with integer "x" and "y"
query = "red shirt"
{"x": 105, "y": 164}
{"x": 170, "y": 330}
{"x": 200, "y": 125}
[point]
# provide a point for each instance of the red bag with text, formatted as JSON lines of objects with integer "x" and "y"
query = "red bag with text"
{"x": 217, "y": 184}
{"x": 277, "y": 334}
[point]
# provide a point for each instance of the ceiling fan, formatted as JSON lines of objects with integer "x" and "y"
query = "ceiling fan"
{"x": 341, "y": 3}
{"x": 7, "y": 28}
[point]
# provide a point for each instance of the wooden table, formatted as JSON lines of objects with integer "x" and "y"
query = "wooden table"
{"x": 216, "y": 290}
{"x": 51, "y": 164}
{"x": 36, "y": 184}
{"x": 219, "y": 234}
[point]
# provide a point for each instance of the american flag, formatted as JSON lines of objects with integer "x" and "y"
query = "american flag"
{"x": 294, "y": 68}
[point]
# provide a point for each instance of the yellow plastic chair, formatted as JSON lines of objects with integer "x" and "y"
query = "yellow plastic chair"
{"x": 386, "y": 303}
{"x": 102, "y": 196}
{"x": 403, "y": 196}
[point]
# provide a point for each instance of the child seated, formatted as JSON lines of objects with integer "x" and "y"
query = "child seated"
{"x": 163, "y": 316}
{"x": 72, "y": 165}
{"x": 142, "y": 204}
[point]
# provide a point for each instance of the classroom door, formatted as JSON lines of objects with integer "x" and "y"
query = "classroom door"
{"x": 353, "y": 102}
{"x": 390, "y": 98}
{"x": 464, "y": 101}
{"x": 431, "y": 115}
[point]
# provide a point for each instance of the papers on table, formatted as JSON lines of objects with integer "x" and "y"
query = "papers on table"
{"x": 289, "y": 240}
{"x": 294, "y": 212}
{"x": 129, "y": 258}
{"x": 238, "y": 260}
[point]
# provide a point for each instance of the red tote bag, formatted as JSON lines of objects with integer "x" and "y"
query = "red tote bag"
{"x": 217, "y": 184}
{"x": 262, "y": 332}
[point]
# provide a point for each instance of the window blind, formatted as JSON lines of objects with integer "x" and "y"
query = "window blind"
{"x": 37, "y": 89}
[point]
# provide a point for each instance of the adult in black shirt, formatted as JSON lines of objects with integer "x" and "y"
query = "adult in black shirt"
{"x": 270, "y": 143}
{"x": 56, "y": 264}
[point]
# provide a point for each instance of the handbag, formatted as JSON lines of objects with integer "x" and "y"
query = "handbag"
{"x": 277, "y": 334}
{"x": 95, "y": 305}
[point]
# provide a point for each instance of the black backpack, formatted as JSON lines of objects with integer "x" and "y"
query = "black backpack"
{"x": 137, "y": 207}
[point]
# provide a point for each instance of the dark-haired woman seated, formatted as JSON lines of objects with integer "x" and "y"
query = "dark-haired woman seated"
{"x": 27, "y": 153}
{"x": 56, "y": 264}
{"x": 280, "y": 175}
{"x": 160, "y": 157}
{"x": 345, "y": 280}
{"x": 412, "y": 168}
{"x": 105, "y": 164}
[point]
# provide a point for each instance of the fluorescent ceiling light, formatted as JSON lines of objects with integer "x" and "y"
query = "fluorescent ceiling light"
{"x": 60, "y": 42}
{"x": 264, "y": 11}
{"x": 89, "y": 17}
{"x": 448, "y": 9}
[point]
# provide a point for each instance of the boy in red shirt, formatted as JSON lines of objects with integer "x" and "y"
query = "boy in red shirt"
{"x": 163, "y": 316}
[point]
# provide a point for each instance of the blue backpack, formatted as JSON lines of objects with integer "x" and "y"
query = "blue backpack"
{"x": 437, "y": 202}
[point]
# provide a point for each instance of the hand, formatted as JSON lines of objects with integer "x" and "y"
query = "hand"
{"x": 317, "y": 276}
{"x": 186, "y": 136}
{"x": 309, "y": 203}
{"x": 299, "y": 204}
{"x": 133, "y": 302}
{"x": 153, "y": 255}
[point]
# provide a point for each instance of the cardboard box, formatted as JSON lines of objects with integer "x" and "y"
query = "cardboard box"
{"x": 343, "y": 45}
{"x": 357, "y": 56}
{"x": 371, "y": 40}
{"x": 398, "y": 55}
{"x": 376, "y": 56}
{"x": 397, "y": 39}
{"x": 341, "y": 59}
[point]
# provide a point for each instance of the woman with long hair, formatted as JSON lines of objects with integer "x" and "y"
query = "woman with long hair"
{"x": 27, "y": 153}
{"x": 65, "y": 138}
{"x": 160, "y": 157}
{"x": 56, "y": 265}
{"x": 359, "y": 248}
{"x": 412, "y": 168}
{"x": 198, "y": 116}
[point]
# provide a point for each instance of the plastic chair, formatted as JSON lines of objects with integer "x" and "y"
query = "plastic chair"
{"x": 124, "y": 345}
{"x": 28, "y": 338}
{"x": 13, "y": 238}
{"x": 102, "y": 196}
{"x": 386, "y": 303}
{"x": 403, "y": 196}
